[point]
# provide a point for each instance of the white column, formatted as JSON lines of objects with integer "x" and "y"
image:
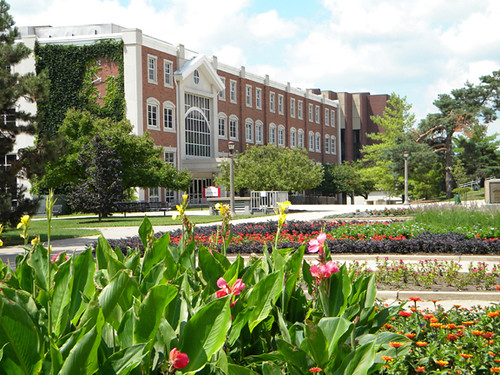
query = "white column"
{"x": 132, "y": 70}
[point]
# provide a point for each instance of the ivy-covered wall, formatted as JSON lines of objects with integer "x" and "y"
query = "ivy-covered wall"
{"x": 69, "y": 69}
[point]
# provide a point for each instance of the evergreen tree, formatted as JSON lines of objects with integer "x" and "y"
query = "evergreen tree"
{"x": 13, "y": 121}
{"x": 102, "y": 187}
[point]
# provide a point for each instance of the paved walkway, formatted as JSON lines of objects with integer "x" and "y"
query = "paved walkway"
{"x": 307, "y": 213}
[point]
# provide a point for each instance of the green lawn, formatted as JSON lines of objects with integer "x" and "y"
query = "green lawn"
{"x": 72, "y": 227}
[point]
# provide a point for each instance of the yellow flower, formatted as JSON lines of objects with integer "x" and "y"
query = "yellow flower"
{"x": 25, "y": 220}
{"x": 218, "y": 206}
{"x": 35, "y": 240}
{"x": 184, "y": 198}
{"x": 284, "y": 206}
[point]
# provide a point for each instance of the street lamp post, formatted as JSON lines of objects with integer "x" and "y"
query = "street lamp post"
{"x": 231, "y": 178}
{"x": 405, "y": 156}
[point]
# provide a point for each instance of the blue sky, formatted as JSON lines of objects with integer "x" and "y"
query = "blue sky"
{"x": 417, "y": 49}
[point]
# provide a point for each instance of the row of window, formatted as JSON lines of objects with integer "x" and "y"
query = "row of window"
{"x": 296, "y": 106}
{"x": 168, "y": 71}
{"x": 254, "y": 133}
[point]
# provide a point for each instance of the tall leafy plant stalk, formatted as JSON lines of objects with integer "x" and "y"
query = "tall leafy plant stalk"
{"x": 281, "y": 212}
{"x": 166, "y": 313}
{"x": 225, "y": 228}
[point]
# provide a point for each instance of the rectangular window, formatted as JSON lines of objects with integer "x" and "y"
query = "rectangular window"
{"x": 168, "y": 68}
{"x": 293, "y": 140}
{"x": 152, "y": 115}
{"x": 311, "y": 142}
{"x": 317, "y": 114}
{"x": 258, "y": 98}
{"x": 333, "y": 143}
{"x": 170, "y": 157}
{"x": 168, "y": 118}
{"x": 300, "y": 139}
{"x": 233, "y": 129}
{"x": 152, "y": 69}
{"x": 259, "y": 130}
{"x": 154, "y": 194}
{"x": 327, "y": 117}
{"x": 318, "y": 143}
{"x": 222, "y": 127}
{"x": 327, "y": 145}
{"x": 272, "y": 103}
{"x": 280, "y": 104}
{"x": 311, "y": 113}
{"x": 232, "y": 91}
{"x": 272, "y": 135}
{"x": 332, "y": 118}
{"x": 222, "y": 93}
{"x": 249, "y": 95}
{"x": 292, "y": 107}
{"x": 249, "y": 132}
{"x": 281, "y": 136}
{"x": 299, "y": 110}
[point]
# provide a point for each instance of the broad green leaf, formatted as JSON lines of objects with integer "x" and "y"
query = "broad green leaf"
{"x": 316, "y": 345}
{"x": 211, "y": 269}
{"x": 156, "y": 254}
{"x": 145, "y": 230}
{"x": 123, "y": 361}
{"x": 61, "y": 298}
{"x": 239, "y": 370}
{"x": 340, "y": 288}
{"x": 263, "y": 296}
{"x": 334, "y": 329}
{"x": 125, "y": 332}
{"x": 104, "y": 253}
{"x": 83, "y": 286}
{"x": 20, "y": 339}
{"x": 359, "y": 361}
{"x": 24, "y": 273}
{"x": 269, "y": 368}
{"x": 295, "y": 356}
{"x": 232, "y": 273}
{"x": 237, "y": 325}
{"x": 154, "y": 277}
{"x": 205, "y": 333}
{"x": 82, "y": 358}
{"x": 111, "y": 294}
{"x": 151, "y": 312}
{"x": 371, "y": 292}
{"x": 39, "y": 261}
{"x": 56, "y": 359}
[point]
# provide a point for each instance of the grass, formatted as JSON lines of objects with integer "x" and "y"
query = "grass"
{"x": 71, "y": 227}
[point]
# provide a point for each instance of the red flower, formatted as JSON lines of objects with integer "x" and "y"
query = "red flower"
{"x": 178, "y": 360}
{"x": 315, "y": 369}
{"x": 404, "y": 314}
{"x": 452, "y": 337}
{"x": 396, "y": 345}
{"x": 415, "y": 299}
{"x": 420, "y": 369}
{"x": 225, "y": 289}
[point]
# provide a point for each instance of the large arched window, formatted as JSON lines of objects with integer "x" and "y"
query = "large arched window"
{"x": 153, "y": 113}
{"x": 318, "y": 142}
{"x": 281, "y": 136}
{"x": 311, "y": 141}
{"x": 197, "y": 133}
{"x": 222, "y": 125}
{"x": 259, "y": 132}
{"x": 300, "y": 138}
{"x": 293, "y": 138}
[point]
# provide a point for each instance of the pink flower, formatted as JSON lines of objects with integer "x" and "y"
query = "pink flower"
{"x": 315, "y": 272}
{"x": 177, "y": 359}
{"x": 328, "y": 269}
{"x": 225, "y": 289}
{"x": 316, "y": 244}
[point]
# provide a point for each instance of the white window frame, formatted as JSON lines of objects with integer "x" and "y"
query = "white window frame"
{"x": 258, "y": 98}
{"x": 311, "y": 112}
{"x": 249, "y": 130}
{"x": 272, "y": 133}
{"x": 153, "y": 105}
{"x": 153, "y": 69}
{"x": 222, "y": 93}
{"x": 333, "y": 143}
{"x": 333, "y": 114}
{"x": 168, "y": 105}
{"x": 327, "y": 117}
{"x": 222, "y": 116}
{"x": 311, "y": 141}
{"x": 318, "y": 142}
{"x": 168, "y": 76}
{"x": 272, "y": 102}
{"x": 281, "y": 136}
{"x": 171, "y": 152}
{"x": 292, "y": 107}
{"x": 300, "y": 138}
{"x": 293, "y": 138}
{"x": 259, "y": 132}
{"x": 327, "y": 144}
{"x": 317, "y": 113}
{"x": 233, "y": 97}
{"x": 281, "y": 106}
{"x": 300, "y": 111}
{"x": 154, "y": 192}
{"x": 233, "y": 120}
{"x": 248, "y": 95}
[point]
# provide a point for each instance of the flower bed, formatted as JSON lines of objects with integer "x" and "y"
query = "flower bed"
{"x": 343, "y": 237}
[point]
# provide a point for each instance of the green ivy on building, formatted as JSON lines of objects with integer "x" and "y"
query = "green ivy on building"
{"x": 70, "y": 70}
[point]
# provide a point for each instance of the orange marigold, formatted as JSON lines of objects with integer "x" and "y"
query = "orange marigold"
{"x": 497, "y": 287}
{"x": 404, "y": 314}
{"x": 487, "y": 335}
{"x": 466, "y": 356}
{"x": 477, "y": 333}
{"x": 452, "y": 337}
{"x": 420, "y": 369}
{"x": 495, "y": 369}
{"x": 387, "y": 358}
{"x": 410, "y": 335}
{"x": 315, "y": 369}
{"x": 421, "y": 343}
{"x": 436, "y": 325}
{"x": 468, "y": 323}
{"x": 493, "y": 314}
{"x": 415, "y": 299}
{"x": 442, "y": 363}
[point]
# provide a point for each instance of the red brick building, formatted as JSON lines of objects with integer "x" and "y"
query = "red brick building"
{"x": 193, "y": 105}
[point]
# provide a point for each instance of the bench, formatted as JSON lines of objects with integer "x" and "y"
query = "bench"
{"x": 142, "y": 206}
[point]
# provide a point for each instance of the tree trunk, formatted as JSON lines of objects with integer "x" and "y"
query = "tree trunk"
{"x": 448, "y": 177}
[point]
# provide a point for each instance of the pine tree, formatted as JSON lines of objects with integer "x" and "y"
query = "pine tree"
{"x": 14, "y": 121}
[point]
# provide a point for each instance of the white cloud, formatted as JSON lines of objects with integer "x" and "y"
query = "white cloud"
{"x": 270, "y": 26}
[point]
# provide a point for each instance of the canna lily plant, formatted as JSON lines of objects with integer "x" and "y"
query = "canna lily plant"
{"x": 183, "y": 309}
